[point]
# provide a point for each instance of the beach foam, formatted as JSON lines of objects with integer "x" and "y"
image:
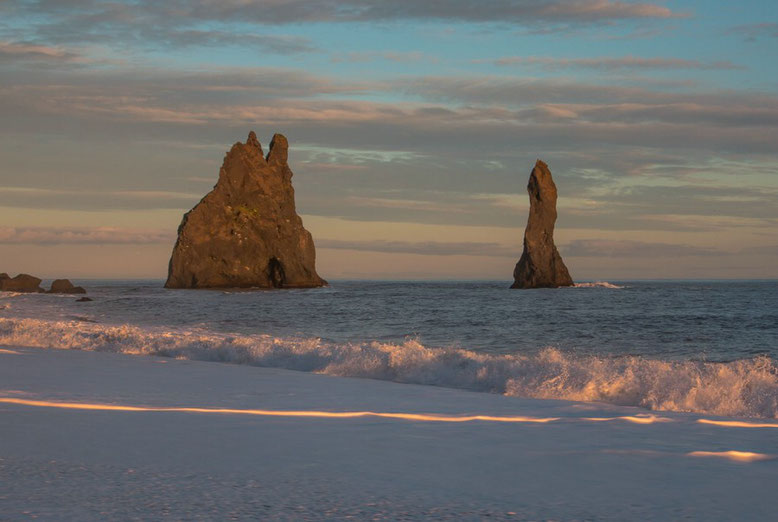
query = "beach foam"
{"x": 745, "y": 388}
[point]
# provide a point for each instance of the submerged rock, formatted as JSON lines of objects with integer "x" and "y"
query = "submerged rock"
{"x": 64, "y": 286}
{"x": 246, "y": 232}
{"x": 20, "y": 283}
{"x": 83, "y": 300}
{"x": 540, "y": 265}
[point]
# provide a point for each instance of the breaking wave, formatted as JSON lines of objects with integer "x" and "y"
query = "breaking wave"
{"x": 744, "y": 388}
{"x": 598, "y": 284}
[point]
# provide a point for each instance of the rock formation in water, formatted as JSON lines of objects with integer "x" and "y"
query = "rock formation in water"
{"x": 64, "y": 286}
{"x": 20, "y": 283}
{"x": 540, "y": 265}
{"x": 245, "y": 232}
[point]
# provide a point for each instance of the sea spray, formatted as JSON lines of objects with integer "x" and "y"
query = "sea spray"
{"x": 599, "y": 284}
{"x": 745, "y": 388}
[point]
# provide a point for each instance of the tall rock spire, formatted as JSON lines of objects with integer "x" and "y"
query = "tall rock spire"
{"x": 540, "y": 265}
{"x": 246, "y": 232}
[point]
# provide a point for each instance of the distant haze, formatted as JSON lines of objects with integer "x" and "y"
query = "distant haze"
{"x": 413, "y": 127}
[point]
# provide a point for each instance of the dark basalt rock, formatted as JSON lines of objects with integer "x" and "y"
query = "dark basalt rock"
{"x": 540, "y": 265}
{"x": 64, "y": 286}
{"x": 245, "y": 232}
{"x": 20, "y": 283}
{"x": 83, "y": 300}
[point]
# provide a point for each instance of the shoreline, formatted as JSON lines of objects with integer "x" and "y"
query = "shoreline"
{"x": 740, "y": 388}
{"x": 595, "y": 461}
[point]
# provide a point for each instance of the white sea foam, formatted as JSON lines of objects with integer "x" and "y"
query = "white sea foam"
{"x": 746, "y": 388}
{"x": 598, "y": 284}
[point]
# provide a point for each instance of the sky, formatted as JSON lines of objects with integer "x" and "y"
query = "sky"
{"x": 413, "y": 127}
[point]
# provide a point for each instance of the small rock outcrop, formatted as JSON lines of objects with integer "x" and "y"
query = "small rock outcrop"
{"x": 83, "y": 300}
{"x": 64, "y": 286}
{"x": 540, "y": 265}
{"x": 20, "y": 283}
{"x": 246, "y": 232}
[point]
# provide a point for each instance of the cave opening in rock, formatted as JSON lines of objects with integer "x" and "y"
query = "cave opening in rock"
{"x": 275, "y": 271}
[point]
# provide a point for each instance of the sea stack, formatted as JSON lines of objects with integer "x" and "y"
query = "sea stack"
{"x": 246, "y": 233}
{"x": 540, "y": 265}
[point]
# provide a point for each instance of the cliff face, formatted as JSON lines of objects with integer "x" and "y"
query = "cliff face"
{"x": 246, "y": 232}
{"x": 540, "y": 265}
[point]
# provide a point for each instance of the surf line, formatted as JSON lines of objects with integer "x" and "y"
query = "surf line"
{"x": 281, "y": 413}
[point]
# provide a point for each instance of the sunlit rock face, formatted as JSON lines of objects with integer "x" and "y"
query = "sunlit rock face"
{"x": 245, "y": 232}
{"x": 540, "y": 265}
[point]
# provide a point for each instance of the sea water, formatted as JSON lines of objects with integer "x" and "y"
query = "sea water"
{"x": 701, "y": 346}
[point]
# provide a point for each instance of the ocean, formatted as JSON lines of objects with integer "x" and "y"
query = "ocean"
{"x": 697, "y": 346}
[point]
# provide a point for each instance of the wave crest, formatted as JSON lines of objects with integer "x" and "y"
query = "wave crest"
{"x": 598, "y": 284}
{"x": 745, "y": 388}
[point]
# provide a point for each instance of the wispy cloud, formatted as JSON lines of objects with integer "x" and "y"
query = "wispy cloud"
{"x": 31, "y": 197}
{"x": 279, "y": 44}
{"x": 32, "y": 53}
{"x": 301, "y": 11}
{"x": 608, "y": 63}
{"x": 149, "y": 24}
{"x": 82, "y": 236}
{"x": 430, "y": 248}
{"x": 626, "y": 248}
{"x": 391, "y": 56}
{"x": 450, "y": 109}
{"x": 754, "y": 32}
{"x": 610, "y": 248}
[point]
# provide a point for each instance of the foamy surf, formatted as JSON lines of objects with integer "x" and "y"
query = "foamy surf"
{"x": 598, "y": 284}
{"x": 744, "y": 388}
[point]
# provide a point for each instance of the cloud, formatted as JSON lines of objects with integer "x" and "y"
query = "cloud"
{"x": 625, "y": 248}
{"x": 150, "y": 24}
{"x": 45, "y": 236}
{"x": 754, "y": 32}
{"x": 279, "y": 44}
{"x": 31, "y": 53}
{"x": 514, "y": 92}
{"x": 429, "y": 248}
{"x": 86, "y": 199}
{"x": 625, "y": 62}
{"x": 391, "y": 56}
{"x": 301, "y": 11}
{"x": 488, "y": 113}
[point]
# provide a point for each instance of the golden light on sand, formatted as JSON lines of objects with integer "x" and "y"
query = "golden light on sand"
{"x": 280, "y": 413}
{"x": 738, "y": 424}
{"x": 636, "y": 419}
{"x": 739, "y": 456}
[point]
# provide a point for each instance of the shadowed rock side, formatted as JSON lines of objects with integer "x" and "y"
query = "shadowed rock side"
{"x": 540, "y": 265}
{"x": 245, "y": 232}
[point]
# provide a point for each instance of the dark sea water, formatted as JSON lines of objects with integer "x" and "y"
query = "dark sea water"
{"x": 705, "y": 346}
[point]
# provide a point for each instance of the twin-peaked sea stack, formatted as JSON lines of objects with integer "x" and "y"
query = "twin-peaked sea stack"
{"x": 246, "y": 233}
{"x": 540, "y": 265}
